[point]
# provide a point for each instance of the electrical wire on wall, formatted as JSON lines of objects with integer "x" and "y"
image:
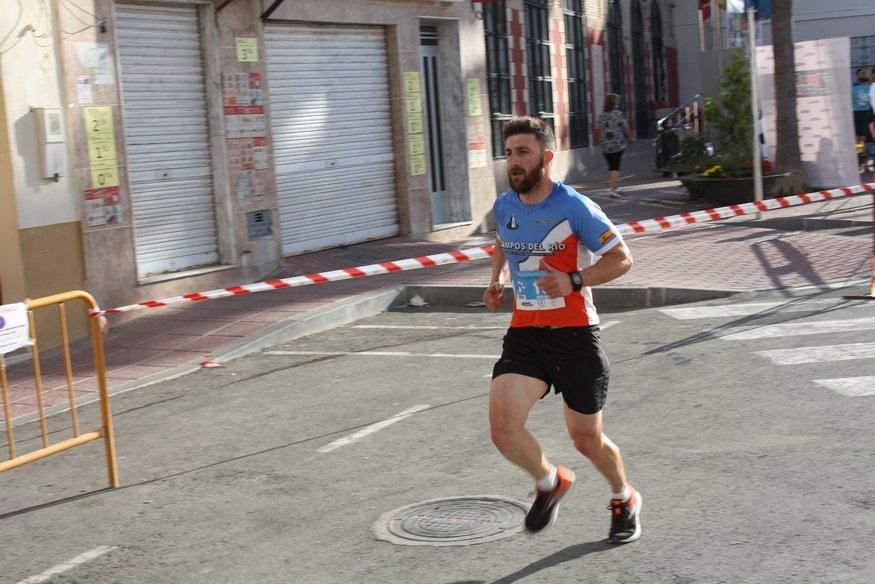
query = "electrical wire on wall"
{"x": 94, "y": 21}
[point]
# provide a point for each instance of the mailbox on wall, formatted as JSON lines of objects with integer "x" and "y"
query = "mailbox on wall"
{"x": 51, "y": 141}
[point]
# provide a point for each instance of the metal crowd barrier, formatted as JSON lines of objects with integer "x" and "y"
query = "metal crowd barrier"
{"x": 104, "y": 431}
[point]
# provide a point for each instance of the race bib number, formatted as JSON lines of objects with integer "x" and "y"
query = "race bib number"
{"x": 528, "y": 296}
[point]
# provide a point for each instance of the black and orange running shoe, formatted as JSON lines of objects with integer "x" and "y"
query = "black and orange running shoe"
{"x": 546, "y": 505}
{"x": 625, "y": 519}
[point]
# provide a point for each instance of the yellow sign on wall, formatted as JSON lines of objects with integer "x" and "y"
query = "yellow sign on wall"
{"x": 101, "y": 146}
{"x": 247, "y": 49}
{"x": 474, "y": 108}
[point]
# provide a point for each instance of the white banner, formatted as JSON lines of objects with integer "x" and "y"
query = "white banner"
{"x": 823, "y": 102}
{"x": 14, "y": 327}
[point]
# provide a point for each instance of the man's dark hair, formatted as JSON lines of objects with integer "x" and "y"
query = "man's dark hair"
{"x": 529, "y": 125}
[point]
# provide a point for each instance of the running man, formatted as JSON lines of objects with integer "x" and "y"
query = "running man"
{"x": 549, "y": 235}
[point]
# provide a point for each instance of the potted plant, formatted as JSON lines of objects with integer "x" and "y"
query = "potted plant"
{"x": 726, "y": 177}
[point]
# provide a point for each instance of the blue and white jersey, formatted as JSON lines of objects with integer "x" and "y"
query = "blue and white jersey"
{"x": 567, "y": 230}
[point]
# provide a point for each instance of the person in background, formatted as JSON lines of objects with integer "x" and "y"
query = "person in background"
{"x": 862, "y": 104}
{"x": 615, "y": 136}
{"x": 872, "y": 90}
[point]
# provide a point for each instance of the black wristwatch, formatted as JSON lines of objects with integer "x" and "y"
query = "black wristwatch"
{"x": 576, "y": 281}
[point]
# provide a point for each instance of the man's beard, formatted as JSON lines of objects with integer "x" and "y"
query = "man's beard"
{"x": 526, "y": 183}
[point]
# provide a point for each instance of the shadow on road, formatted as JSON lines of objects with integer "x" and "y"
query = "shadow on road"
{"x": 572, "y": 552}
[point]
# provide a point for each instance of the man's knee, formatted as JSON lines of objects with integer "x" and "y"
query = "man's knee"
{"x": 506, "y": 436}
{"x": 587, "y": 441}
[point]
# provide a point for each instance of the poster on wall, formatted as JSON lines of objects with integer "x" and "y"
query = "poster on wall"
{"x": 98, "y": 58}
{"x": 823, "y": 103}
{"x": 14, "y": 327}
{"x": 101, "y": 146}
{"x": 244, "y": 105}
{"x": 103, "y": 207}
{"x": 247, "y": 49}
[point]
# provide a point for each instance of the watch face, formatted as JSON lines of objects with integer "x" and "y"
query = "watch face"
{"x": 576, "y": 281}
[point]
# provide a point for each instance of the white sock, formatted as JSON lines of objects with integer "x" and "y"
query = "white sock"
{"x": 549, "y": 482}
{"x": 623, "y": 495}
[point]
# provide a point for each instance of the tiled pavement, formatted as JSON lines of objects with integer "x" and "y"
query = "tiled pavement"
{"x": 726, "y": 256}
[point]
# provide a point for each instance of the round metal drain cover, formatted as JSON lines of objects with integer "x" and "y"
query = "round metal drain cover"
{"x": 452, "y": 521}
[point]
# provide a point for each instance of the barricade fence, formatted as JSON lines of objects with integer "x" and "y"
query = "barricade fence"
{"x": 62, "y": 368}
{"x": 631, "y": 228}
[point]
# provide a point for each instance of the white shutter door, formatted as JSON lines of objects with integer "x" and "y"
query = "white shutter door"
{"x": 332, "y": 135}
{"x": 167, "y": 136}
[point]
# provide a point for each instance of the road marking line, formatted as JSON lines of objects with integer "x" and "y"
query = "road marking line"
{"x": 820, "y": 354}
{"x": 372, "y": 428}
{"x": 382, "y": 354}
{"x": 608, "y": 324}
{"x": 427, "y": 327}
{"x": 792, "y": 329}
{"x": 68, "y": 565}
{"x": 850, "y": 386}
{"x": 750, "y": 308}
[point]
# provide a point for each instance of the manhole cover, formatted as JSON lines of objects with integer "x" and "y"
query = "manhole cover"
{"x": 452, "y": 521}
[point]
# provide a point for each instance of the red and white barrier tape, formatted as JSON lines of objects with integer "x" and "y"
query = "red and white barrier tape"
{"x": 477, "y": 253}
{"x": 684, "y": 219}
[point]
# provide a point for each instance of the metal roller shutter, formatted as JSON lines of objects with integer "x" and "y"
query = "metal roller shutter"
{"x": 332, "y": 135}
{"x": 167, "y": 136}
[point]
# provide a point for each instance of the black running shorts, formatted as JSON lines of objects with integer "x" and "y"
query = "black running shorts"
{"x": 570, "y": 359}
{"x": 613, "y": 159}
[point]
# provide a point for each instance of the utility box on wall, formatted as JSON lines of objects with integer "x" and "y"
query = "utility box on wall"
{"x": 51, "y": 142}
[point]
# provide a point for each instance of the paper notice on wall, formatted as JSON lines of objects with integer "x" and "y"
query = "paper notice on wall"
{"x": 248, "y": 154}
{"x": 249, "y": 185}
{"x": 14, "y": 327}
{"x": 83, "y": 91}
{"x": 412, "y": 88}
{"x": 474, "y": 107}
{"x": 242, "y": 93}
{"x": 101, "y": 146}
{"x": 103, "y": 207}
{"x": 247, "y": 49}
{"x": 97, "y": 57}
{"x": 414, "y": 123}
{"x": 417, "y": 165}
{"x": 478, "y": 156}
{"x": 417, "y": 144}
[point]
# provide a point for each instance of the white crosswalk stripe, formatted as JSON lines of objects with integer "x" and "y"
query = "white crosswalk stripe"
{"x": 850, "y": 386}
{"x": 752, "y": 308}
{"x": 820, "y": 354}
{"x": 797, "y": 327}
{"x": 793, "y": 329}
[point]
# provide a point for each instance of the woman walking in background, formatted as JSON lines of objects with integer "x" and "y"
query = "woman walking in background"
{"x": 615, "y": 136}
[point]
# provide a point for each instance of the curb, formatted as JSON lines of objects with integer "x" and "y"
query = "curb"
{"x": 608, "y": 298}
{"x": 320, "y": 319}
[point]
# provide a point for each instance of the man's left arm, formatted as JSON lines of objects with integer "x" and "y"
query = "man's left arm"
{"x": 614, "y": 263}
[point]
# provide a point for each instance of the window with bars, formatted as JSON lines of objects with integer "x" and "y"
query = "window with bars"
{"x": 658, "y": 57}
{"x": 497, "y": 71}
{"x": 615, "y": 49}
{"x": 538, "y": 56}
{"x": 575, "y": 59}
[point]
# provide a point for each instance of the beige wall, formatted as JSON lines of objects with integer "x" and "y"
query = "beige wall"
{"x": 53, "y": 259}
{"x": 110, "y": 265}
{"x": 36, "y": 214}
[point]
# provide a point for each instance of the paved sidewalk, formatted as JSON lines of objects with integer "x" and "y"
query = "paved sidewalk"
{"x": 733, "y": 255}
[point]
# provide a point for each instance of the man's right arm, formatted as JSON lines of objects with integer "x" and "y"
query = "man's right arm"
{"x": 493, "y": 296}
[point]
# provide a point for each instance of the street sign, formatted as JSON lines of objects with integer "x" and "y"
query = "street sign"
{"x": 763, "y": 8}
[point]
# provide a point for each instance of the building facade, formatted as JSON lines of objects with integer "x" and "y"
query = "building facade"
{"x": 159, "y": 147}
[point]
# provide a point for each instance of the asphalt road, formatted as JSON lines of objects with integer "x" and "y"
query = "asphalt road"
{"x": 755, "y": 463}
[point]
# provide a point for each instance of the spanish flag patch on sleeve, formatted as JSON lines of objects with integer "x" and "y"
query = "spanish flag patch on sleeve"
{"x": 606, "y": 236}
